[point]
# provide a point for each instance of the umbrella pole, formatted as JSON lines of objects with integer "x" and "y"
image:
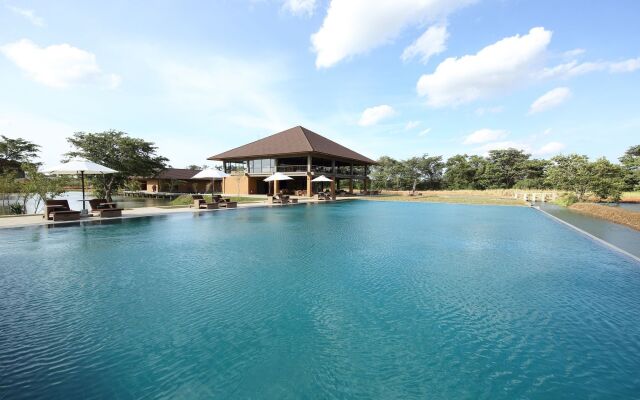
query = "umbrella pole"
{"x": 82, "y": 178}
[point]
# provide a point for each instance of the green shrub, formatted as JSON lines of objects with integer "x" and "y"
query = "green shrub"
{"x": 567, "y": 199}
{"x": 16, "y": 209}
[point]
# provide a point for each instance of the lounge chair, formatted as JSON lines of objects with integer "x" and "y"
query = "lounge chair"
{"x": 279, "y": 199}
{"x": 200, "y": 203}
{"x": 105, "y": 209}
{"x": 59, "y": 210}
{"x": 224, "y": 202}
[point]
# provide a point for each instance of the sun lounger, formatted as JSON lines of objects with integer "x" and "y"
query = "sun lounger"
{"x": 279, "y": 199}
{"x": 59, "y": 210}
{"x": 224, "y": 201}
{"x": 200, "y": 203}
{"x": 105, "y": 209}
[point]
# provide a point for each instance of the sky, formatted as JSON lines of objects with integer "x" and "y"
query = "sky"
{"x": 383, "y": 77}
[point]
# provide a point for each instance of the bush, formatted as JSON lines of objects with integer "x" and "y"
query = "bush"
{"x": 567, "y": 199}
{"x": 16, "y": 209}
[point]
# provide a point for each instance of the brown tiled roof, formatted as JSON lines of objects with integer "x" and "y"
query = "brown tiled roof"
{"x": 297, "y": 140}
{"x": 177, "y": 173}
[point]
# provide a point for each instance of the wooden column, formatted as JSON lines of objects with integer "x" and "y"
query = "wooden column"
{"x": 309, "y": 185}
{"x": 276, "y": 187}
{"x": 333, "y": 189}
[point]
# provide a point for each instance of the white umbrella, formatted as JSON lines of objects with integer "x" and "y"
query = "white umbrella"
{"x": 210, "y": 173}
{"x": 323, "y": 179}
{"x": 79, "y": 166}
{"x": 278, "y": 176}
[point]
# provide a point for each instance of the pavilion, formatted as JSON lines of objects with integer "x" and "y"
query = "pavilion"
{"x": 296, "y": 152}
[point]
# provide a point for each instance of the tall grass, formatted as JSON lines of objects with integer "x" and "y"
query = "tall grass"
{"x": 613, "y": 214}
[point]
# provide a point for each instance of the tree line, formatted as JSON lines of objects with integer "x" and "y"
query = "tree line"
{"x": 512, "y": 169}
{"x": 500, "y": 169}
{"x": 20, "y": 181}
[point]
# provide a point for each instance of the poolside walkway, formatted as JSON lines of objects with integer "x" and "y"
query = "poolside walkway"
{"x": 36, "y": 219}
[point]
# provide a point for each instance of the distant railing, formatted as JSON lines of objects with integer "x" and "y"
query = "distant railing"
{"x": 322, "y": 169}
{"x": 318, "y": 169}
{"x": 292, "y": 168}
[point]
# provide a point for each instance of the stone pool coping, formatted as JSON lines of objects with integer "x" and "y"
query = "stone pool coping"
{"x": 22, "y": 221}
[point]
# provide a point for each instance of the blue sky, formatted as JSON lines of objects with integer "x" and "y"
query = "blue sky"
{"x": 396, "y": 77}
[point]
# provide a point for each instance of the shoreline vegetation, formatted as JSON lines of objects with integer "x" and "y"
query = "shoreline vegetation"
{"x": 613, "y": 214}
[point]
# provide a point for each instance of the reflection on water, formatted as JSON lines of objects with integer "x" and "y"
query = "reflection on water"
{"x": 619, "y": 235}
{"x": 74, "y": 198}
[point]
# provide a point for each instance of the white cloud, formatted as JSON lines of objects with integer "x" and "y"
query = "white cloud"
{"x": 411, "y": 124}
{"x": 30, "y": 15}
{"x": 489, "y": 110}
{"x": 354, "y": 27}
{"x": 424, "y": 132}
{"x": 485, "y": 135}
{"x": 300, "y": 7}
{"x": 625, "y": 66}
{"x": 549, "y": 100}
{"x": 573, "y": 53}
{"x": 496, "y": 68}
{"x": 430, "y": 43}
{"x": 575, "y": 68}
{"x": 571, "y": 69}
{"x": 550, "y": 148}
{"x": 373, "y": 115}
{"x": 57, "y": 66}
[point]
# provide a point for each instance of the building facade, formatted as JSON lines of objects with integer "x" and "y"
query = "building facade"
{"x": 177, "y": 180}
{"x": 299, "y": 153}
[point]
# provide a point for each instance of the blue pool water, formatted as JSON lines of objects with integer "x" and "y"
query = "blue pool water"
{"x": 356, "y": 300}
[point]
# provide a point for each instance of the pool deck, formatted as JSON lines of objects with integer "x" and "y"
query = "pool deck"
{"x": 20, "y": 221}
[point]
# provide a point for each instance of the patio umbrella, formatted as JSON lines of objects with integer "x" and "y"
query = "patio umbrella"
{"x": 322, "y": 179}
{"x": 278, "y": 176}
{"x": 210, "y": 173}
{"x": 82, "y": 167}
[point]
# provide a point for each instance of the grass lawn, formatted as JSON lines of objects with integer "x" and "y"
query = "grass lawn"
{"x": 631, "y": 196}
{"x": 488, "y": 197}
{"x": 185, "y": 200}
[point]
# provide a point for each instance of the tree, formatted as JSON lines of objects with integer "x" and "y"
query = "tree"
{"x": 117, "y": 150}
{"x": 8, "y": 186}
{"x": 39, "y": 187}
{"x": 607, "y": 179}
{"x": 571, "y": 172}
{"x": 506, "y": 167}
{"x": 15, "y": 152}
{"x": 534, "y": 174}
{"x": 385, "y": 174}
{"x": 631, "y": 166}
{"x": 423, "y": 169}
{"x": 465, "y": 172}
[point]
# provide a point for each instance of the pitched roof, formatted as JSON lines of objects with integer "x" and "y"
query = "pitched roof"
{"x": 177, "y": 173}
{"x": 296, "y": 140}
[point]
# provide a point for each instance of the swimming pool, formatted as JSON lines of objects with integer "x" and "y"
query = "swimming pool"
{"x": 352, "y": 300}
